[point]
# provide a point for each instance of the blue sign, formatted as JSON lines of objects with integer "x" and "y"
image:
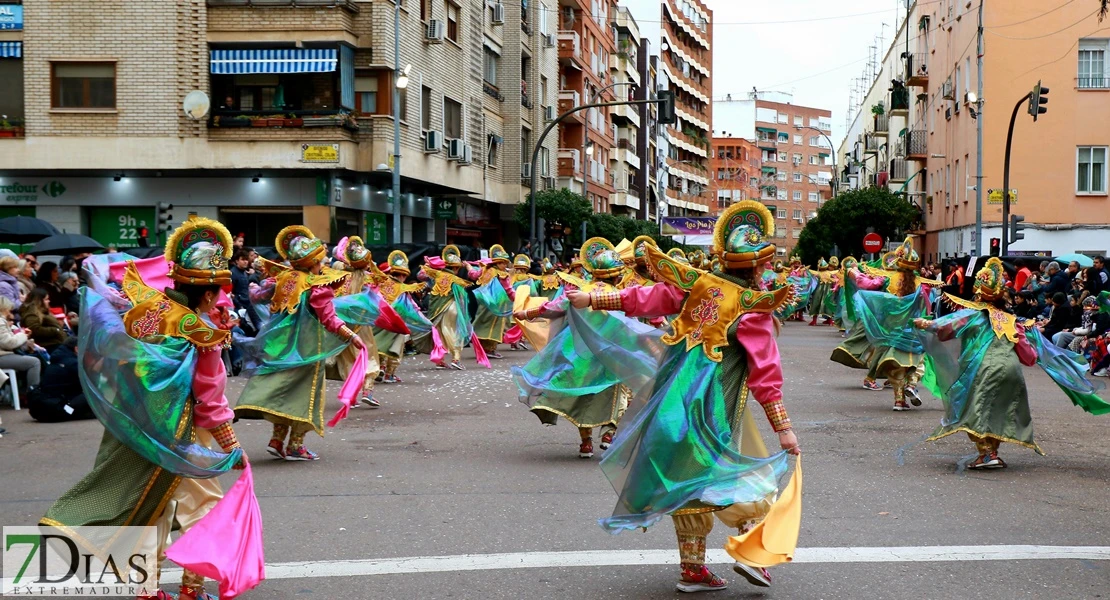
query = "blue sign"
{"x": 11, "y": 17}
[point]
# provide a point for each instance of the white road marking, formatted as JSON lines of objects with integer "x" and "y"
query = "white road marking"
{"x": 604, "y": 558}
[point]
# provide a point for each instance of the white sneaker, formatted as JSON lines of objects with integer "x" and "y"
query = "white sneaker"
{"x": 1101, "y": 373}
{"x": 759, "y": 577}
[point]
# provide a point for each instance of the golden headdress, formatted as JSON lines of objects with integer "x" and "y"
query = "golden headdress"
{"x": 739, "y": 237}
{"x": 300, "y": 247}
{"x": 451, "y": 256}
{"x": 498, "y": 254}
{"x": 398, "y": 262}
{"x": 989, "y": 282}
{"x": 902, "y": 257}
{"x": 199, "y": 250}
{"x": 521, "y": 261}
{"x": 600, "y": 258}
{"x": 354, "y": 253}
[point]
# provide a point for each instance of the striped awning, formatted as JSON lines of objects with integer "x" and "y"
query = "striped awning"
{"x": 283, "y": 60}
{"x": 11, "y": 49}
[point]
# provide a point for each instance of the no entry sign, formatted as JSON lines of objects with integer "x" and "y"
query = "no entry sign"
{"x": 872, "y": 242}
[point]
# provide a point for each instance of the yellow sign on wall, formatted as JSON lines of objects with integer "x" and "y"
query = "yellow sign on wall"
{"x": 320, "y": 153}
{"x": 995, "y": 196}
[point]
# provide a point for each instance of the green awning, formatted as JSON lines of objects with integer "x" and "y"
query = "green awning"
{"x": 769, "y": 170}
{"x": 823, "y": 154}
{"x": 767, "y": 129}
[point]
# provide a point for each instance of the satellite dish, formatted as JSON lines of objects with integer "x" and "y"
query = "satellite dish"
{"x": 196, "y": 105}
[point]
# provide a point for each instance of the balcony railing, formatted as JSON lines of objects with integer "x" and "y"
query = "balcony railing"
{"x": 899, "y": 170}
{"x": 1092, "y": 83}
{"x": 349, "y": 5}
{"x": 227, "y": 119}
{"x": 492, "y": 91}
{"x": 917, "y": 143}
{"x": 917, "y": 69}
{"x": 870, "y": 143}
{"x": 11, "y": 128}
{"x": 882, "y": 123}
{"x": 899, "y": 99}
{"x": 525, "y": 101}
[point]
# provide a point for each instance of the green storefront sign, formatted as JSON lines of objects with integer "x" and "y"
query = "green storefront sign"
{"x": 446, "y": 208}
{"x": 17, "y": 193}
{"x": 377, "y": 229}
{"x": 120, "y": 226}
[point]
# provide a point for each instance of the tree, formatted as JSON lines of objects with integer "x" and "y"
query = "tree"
{"x": 844, "y": 220}
{"x": 561, "y": 205}
{"x": 1104, "y": 8}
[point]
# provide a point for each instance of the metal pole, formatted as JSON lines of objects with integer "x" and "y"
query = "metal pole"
{"x": 977, "y": 248}
{"x": 832, "y": 154}
{"x": 586, "y": 136}
{"x": 1006, "y": 176}
{"x": 396, "y": 124}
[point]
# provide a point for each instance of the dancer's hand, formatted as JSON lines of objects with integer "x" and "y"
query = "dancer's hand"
{"x": 358, "y": 343}
{"x": 578, "y": 298}
{"x": 520, "y": 315}
{"x": 242, "y": 464}
{"x": 789, "y": 442}
{"x": 921, "y": 323}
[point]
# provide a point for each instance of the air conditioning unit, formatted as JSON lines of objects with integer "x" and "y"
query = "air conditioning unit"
{"x": 467, "y": 155}
{"x": 948, "y": 114}
{"x": 549, "y": 113}
{"x": 946, "y": 90}
{"x": 526, "y": 170}
{"x": 549, "y": 183}
{"x": 433, "y": 141}
{"x": 437, "y": 31}
{"x": 549, "y": 40}
{"x": 498, "y": 14}
{"x": 455, "y": 149}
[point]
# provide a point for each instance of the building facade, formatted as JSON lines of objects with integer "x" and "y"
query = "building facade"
{"x": 300, "y": 126}
{"x": 1058, "y": 164}
{"x": 736, "y": 170}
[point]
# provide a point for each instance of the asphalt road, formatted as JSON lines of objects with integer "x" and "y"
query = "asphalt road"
{"x": 452, "y": 464}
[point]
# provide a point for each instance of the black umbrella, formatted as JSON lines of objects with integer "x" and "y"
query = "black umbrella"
{"x": 66, "y": 243}
{"x": 25, "y": 230}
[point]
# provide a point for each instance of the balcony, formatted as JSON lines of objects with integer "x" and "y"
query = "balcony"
{"x": 1092, "y": 82}
{"x": 630, "y": 114}
{"x": 627, "y": 155}
{"x": 899, "y": 170}
{"x": 917, "y": 144}
{"x": 229, "y": 124}
{"x": 882, "y": 124}
{"x": 348, "y": 5}
{"x": 870, "y": 143}
{"x": 625, "y": 197}
{"x": 625, "y": 64}
{"x": 568, "y": 100}
{"x": 917, "y": 69}
{"x": 900, "y": 101}
{"x": 570, "y": 49}
{"x": 11, "y": 128}
{"x": 525, "y": 101}
{"x": 492, "y": 91}
{"x": 570, "y": 165}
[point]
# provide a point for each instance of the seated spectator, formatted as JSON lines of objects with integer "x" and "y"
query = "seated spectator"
{"x": 26, "y": 276}
{"x": 47, "y": 279}
{"x": 71, "y": 300}
{"x": 1059, "y": 314}
{"x": 13, "y": 339}
{"x": 46, "y": 330}
{"x": 9, "y": 283}
{"x": 60, "y": 397}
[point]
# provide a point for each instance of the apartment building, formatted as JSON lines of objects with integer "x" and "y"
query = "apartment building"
{"x": 625, "y": 77}
{"x": 300, "y": 126}
{"x": 1058, "y": 164}
{"x": 735, "y": 167}
{"x": 795, "y": 155}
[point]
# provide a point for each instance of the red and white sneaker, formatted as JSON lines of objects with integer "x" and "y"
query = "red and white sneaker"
{"x": 586, "y": 450}
{"x": 697, "y": 578}
{"x": 755, "y": 576}
{"x": 275, "y": 449}
{"x": 987, "y": 461}
{"x": 440, "y": 366}
{"x": 606, "y": 440}
{"x": 301, "y": 453}
{"x": 456, "y": 365}
{"x": 872, "y": 385}
{"x": 901, "y": 406}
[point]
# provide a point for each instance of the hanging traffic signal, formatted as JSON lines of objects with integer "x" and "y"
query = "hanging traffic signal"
{"x": 144, "y": 237}
{"x": 996, "y": 246}
{"x": 1038, "y": 100}
{"x": 163, "y": 222}
{"x": 666, "y": 107}
{"x": 1017, "y": 224}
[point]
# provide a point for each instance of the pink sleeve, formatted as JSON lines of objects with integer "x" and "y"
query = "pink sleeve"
{"x": 867, "y": 282}
{"x": 1026, "y": 354}
{"x": 320, "y": 299}
{"x": 658, "y": 300}
{"x": 210, "y": 409}
{"x": 508, "y": 285}
{"x": 556, "y": 307}
{"x": 756, "y": 332}
{"x": 264, "y": 291}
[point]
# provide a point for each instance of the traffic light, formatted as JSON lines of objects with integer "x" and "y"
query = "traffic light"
{"x": 144, "y": 237}
{"x": 1038, "y": 100}
{"x": 164, "y": 219}
{"x": 996, "y": 246}
{"x": 1017, "y": 224}
{"x": 666, "y": 107}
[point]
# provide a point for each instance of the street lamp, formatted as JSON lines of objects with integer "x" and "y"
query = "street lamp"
{"x": 832, "y": 182}
{"x": 401, "y": 81}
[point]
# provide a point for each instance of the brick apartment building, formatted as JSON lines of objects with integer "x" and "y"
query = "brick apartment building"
{"x": 735, "y": 169}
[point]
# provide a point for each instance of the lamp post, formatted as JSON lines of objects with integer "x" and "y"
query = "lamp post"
{"x": 400, "y": 82}
{"x": 586, "y": 136}
{"x": 832, "y": 182}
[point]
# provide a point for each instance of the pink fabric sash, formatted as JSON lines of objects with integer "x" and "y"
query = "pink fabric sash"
{"x": 479, "y": 351}
{"x": 226, "y": 544}
{"x": 513, "y": 335}
{"x": 348, "y": 394}
{"x": 438, "y": 349}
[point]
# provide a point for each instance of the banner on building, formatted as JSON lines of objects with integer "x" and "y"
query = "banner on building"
{"x": 689, "y": 225}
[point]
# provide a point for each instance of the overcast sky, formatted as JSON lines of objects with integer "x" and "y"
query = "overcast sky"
{"x": 816, "y": 60}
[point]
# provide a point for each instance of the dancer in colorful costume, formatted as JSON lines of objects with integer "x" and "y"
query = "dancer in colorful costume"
{"x": 494, "y": 293}
{"x": 522, "y": 279}
{"x": 151, "y": 371}
{"x": 634, "y": 256}
{"x": 550, "y": 284}
{"x": 598, "y": 406}
{"x": 448, "y": 310}
{"x": 356, "y": 259}
{"x": 842, "y": 301}
{"x": 692, "y": 449}
{"x": 390, "y": 280}
{"x": 804, "y": 284}
{"x": 816, "y": 306}
{"x": 308, "y": 325}
{"x": 979, "y": 377}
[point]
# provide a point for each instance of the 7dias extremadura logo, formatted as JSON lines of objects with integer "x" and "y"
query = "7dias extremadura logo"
{"x": 82, "y": 561}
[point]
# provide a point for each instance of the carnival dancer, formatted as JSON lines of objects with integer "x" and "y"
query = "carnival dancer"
{"x": 522, "y": 278}
{"x": 586, "y": 411}
{"x": 390, "y": 280}
{"x": 287, "y": 385}
{"x": 888, "y": 360}
{"x": 830, "y": 308}
{"x": 634, "y": 255}
{"x": 494, "y": 293}
{"x": 804, "y": 284}
{"x": 448, "y": 310}
{"x": 151, "y": 371}
{"x": 816, "y": 306}
{"x": 692, "y": 450}
{"x": 356, "y": 259}
{"x": 982, "y": 385}
{"x": 842, "y": 300}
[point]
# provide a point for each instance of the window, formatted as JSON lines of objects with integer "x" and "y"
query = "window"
{"x": 782, "y": 214}
{"x": 11, "y": 93}
{"x": 797, "y": 214}
{"x": 797, "y": 198}
{"x": 452, "y": 119}
{"x": 813, "y": 159}
{"x": 814, "y": 196}
{"x": 784, "y": 138}
{"x": 84, "y": 85}
{"x": 781, "y": 195}
{"x": 781, "y": 176}
{"x": 494, "y": 150}
{"x": 404, "y": 104}
{"x": 782, "y": 157}
{"x": 780, "y": 232}
{"x": 958, "y": 186}
{"x": 784, "y": 118}
{"x": 452, "y": 22}
{"x": 797, "y": 159}
{"x": 366, "y": 95}
{"x": 545, "y": 162}
{"x": 425, "y": 107}
{"x": 797, "y": 138}
{"x": 797, "y": 233}
{"x": 543, "y": 17}
{"x": 490, "y": 64}
{"x": 543, "y": 90}
{"x": 425, "y": 9}
{"x": 798, "y": 122}
{"x": 797, "y": 178}
{"x": 526, "y": 143}
{"x": 1092, "y": 65}
{"x": 1091, "y": 170}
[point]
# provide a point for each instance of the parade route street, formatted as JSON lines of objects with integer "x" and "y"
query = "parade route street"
{"x": 454, "y": 490}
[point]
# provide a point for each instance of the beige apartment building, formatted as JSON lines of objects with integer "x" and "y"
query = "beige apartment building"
{"x": 300, "y": 126}
{"x": 1058, "y": 164}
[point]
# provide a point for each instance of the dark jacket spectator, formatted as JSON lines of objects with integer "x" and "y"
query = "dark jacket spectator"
{"x": 60, "y": 397}
{"x": 71, "y": 300}
{"x": 1058, "y": 281}
{"x": 1061, "y": 316}
{"x": 241, "y": 274}
{"x": 46, "y": 330}
{"x": 47, "y": 279}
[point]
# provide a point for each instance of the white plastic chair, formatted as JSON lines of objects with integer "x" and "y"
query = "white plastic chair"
{"x": 15, "y": 387}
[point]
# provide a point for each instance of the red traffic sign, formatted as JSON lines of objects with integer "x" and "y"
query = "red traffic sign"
{"x": 872, "y": 242}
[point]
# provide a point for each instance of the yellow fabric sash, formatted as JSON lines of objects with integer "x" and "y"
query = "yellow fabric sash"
{"x": 1003, "y": 323}
{"x": 442, "y": 280}
{"x": 155, "y": 313}
{"x": 291, "y": 285}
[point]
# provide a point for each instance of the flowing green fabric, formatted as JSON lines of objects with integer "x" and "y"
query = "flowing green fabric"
{"x": 493, "y": 297}
{"x": 888, "y": 319}
{"x": 1069, "y": 371}
{"x": 955, "y": 363}
{"x": 141, "y": 390}
{"x": 412, "y": 316}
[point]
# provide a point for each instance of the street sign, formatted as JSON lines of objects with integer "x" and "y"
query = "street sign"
{"x": 872, "y": 243}
{"x": 995, "y": 196}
